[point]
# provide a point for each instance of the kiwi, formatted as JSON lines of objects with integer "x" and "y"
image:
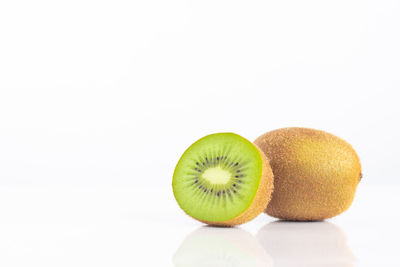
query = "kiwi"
{"x": 316, "y": 173}
{"x": 223, "y": 179}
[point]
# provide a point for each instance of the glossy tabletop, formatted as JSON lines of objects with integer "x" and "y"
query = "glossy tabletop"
{"x": 77, "y": 226}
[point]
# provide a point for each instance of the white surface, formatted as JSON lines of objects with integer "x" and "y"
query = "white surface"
{"x": 131, "y": 227}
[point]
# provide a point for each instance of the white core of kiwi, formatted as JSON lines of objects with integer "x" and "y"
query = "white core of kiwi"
{"x": 217, "y": 175}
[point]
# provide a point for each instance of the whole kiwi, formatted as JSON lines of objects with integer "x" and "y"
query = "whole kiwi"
{"x": 315, "y": 173}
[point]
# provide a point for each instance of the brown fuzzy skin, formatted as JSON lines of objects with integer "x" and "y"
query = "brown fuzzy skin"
{"x": 316, "y": 173}
{"x": 260, "y": 201}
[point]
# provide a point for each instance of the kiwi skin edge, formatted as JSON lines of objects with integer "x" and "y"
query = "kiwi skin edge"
{"x": 260, "y": 201}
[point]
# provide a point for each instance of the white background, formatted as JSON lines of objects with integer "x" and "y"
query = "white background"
{"x": 112, "y": 92}
{"x": 108, "y": 94}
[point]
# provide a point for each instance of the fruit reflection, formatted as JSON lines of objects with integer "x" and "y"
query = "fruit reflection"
{"x": 305, "y": 244}
{"x": 219, "y": 247}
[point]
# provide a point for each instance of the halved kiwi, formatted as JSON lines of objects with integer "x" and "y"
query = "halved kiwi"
{"x": 223, "y": 179}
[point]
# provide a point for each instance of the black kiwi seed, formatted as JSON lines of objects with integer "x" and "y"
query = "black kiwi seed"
{"x": 205, "y": 190}
{"x": 219, "y": 192}
{"x": 237, "y": 163}
{"x": 217, "y": 158}
{"x": 211, "y": 190}
{"x": 196, "y": 181}
{"x": 223, "y": 192}
{"x": 234, "y": 184}
{"x": 234, "y": 191}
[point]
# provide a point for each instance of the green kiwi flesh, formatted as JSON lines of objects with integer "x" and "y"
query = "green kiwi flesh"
{"x": 217, "y": 177}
